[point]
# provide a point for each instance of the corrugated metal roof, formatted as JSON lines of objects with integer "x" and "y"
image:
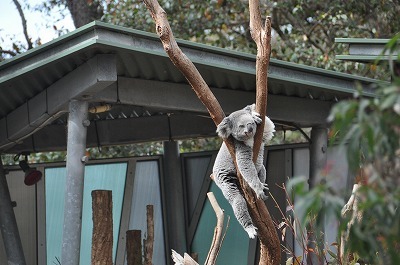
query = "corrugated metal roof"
{"x": 27, "y": 79}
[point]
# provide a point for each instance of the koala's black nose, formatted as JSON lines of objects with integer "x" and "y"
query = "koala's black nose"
{"x": 250, "y": 129}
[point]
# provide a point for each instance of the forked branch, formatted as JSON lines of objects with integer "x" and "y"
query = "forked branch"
{"x": 270, "y": 245}
{"x": 182, "y": 62}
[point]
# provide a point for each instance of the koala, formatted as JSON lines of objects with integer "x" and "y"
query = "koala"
{"x": 242, "y": 126}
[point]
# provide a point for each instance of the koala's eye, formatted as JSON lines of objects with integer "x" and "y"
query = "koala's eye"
{"x": 241, "y": 126}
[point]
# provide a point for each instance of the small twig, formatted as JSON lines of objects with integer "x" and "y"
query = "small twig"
{"x": 8, "y": 52}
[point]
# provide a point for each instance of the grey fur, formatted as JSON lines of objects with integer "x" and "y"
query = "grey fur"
{"x": 242, "y": 125}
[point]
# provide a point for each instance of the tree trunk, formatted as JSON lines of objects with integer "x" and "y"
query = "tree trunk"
{"x": 102, "y": 240}
{"x": 84, "y": 11}
{"x": 270, "y": 244}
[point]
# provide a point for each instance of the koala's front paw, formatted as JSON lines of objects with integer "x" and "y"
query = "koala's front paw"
{"x": 251, "y": 231}
{"x": 261, "y": 193}
{"x": 256, "y": 117}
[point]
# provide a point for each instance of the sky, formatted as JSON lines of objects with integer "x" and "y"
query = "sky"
{"x": 11, "y": 25}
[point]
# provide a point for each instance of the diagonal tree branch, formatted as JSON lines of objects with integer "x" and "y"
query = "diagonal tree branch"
{"x": 270, "y": 252}
{"x": 270, "y": 245}
{"x": 182, "y": 62}
{"x": 24, "y": 26}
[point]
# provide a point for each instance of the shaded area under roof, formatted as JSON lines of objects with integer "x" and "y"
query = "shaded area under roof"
{"x": 129, "y": 69}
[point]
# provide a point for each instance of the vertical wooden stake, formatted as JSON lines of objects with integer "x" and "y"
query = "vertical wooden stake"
{"x": 102, "y": 239}
{"x": 134, "y": 247}
{"x": 149, "y": 241}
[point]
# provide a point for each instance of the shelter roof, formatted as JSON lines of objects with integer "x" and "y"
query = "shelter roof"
{"x": 366, "y": 50}
{"x": 150, "y": 98}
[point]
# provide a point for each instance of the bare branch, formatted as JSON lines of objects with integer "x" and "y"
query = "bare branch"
{"x": 182, "y": 62}
{"x": 217, "y": 239}
{"x": 8, "y": 52}
{"x": 270, "y": 245}
{"x": 25, "y": 29}
{"x": 270, "y": 251}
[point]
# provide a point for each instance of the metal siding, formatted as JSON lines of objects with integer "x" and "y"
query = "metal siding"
{"x": 146, "y": 190}
{"x": 196, "y": 169}
{"x": 104, "y": 176}
{"x": 338, "y": 178}
{"x": 234, "y": 250}
{"x": 301, "y": 168}
{"x": 25, "y": 213}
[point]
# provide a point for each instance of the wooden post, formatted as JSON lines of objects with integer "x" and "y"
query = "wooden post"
{"x": 149, "y": 241}
{"x": 102, "y": 239}
{"x": 134, "y": 247}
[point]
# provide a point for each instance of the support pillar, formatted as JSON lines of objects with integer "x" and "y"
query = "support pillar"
{"x": 318, "y": 153}
{"x": 8, "y": 224}
{"x": 76, "y": 147}
{"x": 318, "y": 158}
{"x": 174, "y": 197}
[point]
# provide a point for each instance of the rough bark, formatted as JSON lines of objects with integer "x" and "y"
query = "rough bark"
{"x": 149, "y": 241}
{"x": 182, "y": 62}
{"x": 102, "y": 239}
{"x": 134, "y": 247}
{"x": 270, "y": 245}
{"x": 270, "y": 250}
{"x": 84, "y": 11}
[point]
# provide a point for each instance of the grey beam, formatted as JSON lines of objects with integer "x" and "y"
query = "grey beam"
{"x": 177, "y": 96}
{"x": 8, "y": 224}
{"x": 122, "y": 131}
{"x": 76, "y": 145}
{"x": 88, "y": 79}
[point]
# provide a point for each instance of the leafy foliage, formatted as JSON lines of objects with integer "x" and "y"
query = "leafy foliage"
{"x": 304, "y": 31}
{"x": 369, "y": 130}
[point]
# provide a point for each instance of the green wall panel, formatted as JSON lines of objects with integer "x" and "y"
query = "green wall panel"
{"x": 235, "y": 247}
{"x": 97, "y": 177}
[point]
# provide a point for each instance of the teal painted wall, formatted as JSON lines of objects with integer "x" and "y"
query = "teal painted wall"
{"x": 97, "y": 177}
{"x": 234, "y": 250}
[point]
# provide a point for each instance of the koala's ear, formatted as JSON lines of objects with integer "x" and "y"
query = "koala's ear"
{"x": 250, "y": 108}
{"x": 253, "y": 107}
{"x": 224, "y": 129}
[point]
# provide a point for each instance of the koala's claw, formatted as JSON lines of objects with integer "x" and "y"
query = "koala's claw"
{"x": 256, "y": 117}
{"x": 261, "y": 193}
{"x": 251, "y": 231}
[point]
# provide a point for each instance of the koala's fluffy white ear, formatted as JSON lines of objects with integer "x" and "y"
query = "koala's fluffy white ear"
{"x": 269, "y": 130}
{"x": 250, "y": 108}
{"x": 224, "y": 129}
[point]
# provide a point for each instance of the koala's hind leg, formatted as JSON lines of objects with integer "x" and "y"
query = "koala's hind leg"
{"x": 228, "y": 185}
{"x": 242, "y": 215}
